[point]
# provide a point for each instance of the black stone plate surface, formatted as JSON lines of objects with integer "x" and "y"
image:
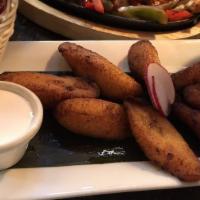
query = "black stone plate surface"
{"x": 56, "y": 146}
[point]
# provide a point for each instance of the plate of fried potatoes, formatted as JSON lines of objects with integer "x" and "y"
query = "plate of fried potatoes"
{"x": 102, "y": 133}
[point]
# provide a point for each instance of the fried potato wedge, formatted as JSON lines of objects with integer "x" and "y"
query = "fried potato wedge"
{"x": 140, "y": 55}
{"x": 113, "y": 82}
{"x": 93, "y": 117}
{"x": 189, "y": 116}
{"x": 188, "y": 76}
{"x": 52, "y": 89}
{"x": 161, "y": 142}
{"x": 192, "y": 95}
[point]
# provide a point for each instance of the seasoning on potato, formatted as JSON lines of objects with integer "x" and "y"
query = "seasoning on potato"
{"x": 140, "y": 55}
{"x": 192, "y": 95}
{"x": 52, "y": 89}
{"x": 187, "y": 115}
{"x": 93, "y": 117}
{"x": 161, "y": 142}
{"x": 113, "y": 82}
{"x": 188, "y": 76}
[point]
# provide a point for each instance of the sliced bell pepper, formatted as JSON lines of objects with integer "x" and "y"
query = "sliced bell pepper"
{"x": 149, "y": 13}
{"x": 89, "y": 5}
{"x": 176, "y": 15}
{"x": 98, "y": 6}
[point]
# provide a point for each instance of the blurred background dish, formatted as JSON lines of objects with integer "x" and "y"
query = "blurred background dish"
{"x": 116, "y": 20}
{"x": 76, "y": 27}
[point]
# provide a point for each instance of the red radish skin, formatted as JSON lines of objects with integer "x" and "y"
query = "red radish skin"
{"x": 162, "y": 99}
{"x": 150, "y": 88}
{"x": 160, "y": 87}
{"x": 156, "y": 102}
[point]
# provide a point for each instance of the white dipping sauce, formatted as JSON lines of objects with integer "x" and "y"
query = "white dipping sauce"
{"x": 15, "y": 116}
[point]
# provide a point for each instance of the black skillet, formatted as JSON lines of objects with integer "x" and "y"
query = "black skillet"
{"x": 118, "y": 21}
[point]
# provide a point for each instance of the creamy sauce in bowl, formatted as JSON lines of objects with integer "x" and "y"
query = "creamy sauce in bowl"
{"x": 15, "y": 116}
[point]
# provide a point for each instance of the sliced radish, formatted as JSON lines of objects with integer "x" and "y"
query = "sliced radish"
{"x": 155, "y": 98}
{"x": 160, "y": 88}
{"x": 151, "y": 90}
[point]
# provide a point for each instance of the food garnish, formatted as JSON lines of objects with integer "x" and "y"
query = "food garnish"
{"x": 144, "y": 61}
{"x": 160, "y": 87}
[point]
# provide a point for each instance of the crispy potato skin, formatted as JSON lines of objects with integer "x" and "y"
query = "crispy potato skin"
{"x": 189, "y": 116}
{"x": 52, "y": 89}
{"x": 93, "y": 117}
{"x": 140, "y": 55}
{"x": 113, "y": 82}
{"x": 192, "y": 95}
{"x": 161, "y": 142}
{"x": 188, "y": 76}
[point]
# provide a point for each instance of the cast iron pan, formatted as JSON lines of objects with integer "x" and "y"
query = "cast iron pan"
{"x": 118, "y": 21}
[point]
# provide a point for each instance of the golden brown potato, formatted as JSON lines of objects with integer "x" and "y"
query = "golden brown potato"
{"x": 161, "y": 142}
{"x": 140, "y": 55}
{"x": 93, "y": 117}
{"x": 188, "y": 116}
{"x": 113, "y": 82}
{"x": 188, "y": 76}
{"x": 192, "y": 95}
{"x": 52, "y": 89}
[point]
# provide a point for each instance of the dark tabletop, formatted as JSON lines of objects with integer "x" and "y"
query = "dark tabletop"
{"x": 26, "y": 30}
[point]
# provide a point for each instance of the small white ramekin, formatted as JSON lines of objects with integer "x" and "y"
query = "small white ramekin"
{"x": 12, "y": 151}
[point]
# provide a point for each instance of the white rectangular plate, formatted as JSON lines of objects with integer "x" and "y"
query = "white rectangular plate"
{"x": 72, "y": 181}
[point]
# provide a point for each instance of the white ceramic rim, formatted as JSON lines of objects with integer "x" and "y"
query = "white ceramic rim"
{"x": 37, "y": 109}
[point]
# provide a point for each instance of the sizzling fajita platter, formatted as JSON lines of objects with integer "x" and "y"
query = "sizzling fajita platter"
{"x": 76, "y": 22}
{"x": 143, "y": 15}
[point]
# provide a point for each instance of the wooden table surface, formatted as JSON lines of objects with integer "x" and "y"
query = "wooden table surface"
{"x": 26, "y": 30}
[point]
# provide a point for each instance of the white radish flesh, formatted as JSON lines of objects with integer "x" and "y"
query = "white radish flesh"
{"x": 160, "y": 88}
